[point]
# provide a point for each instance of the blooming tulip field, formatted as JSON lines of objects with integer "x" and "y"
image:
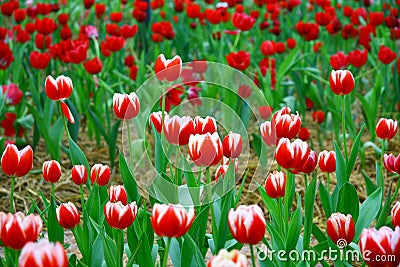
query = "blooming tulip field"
{"x": 210, "y": 133}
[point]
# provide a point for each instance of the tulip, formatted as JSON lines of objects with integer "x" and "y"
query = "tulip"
{"x": 327, "y": 161}
{"x": 101, "y": 174}
{"x": 225, "y": 259}
{"x": 205, "y": 125}
{"x": 358, "y": 58}
{"x": 126, "y": 106}
{"x": 341, "y": 82}
{"x": 247, "y": 224}
{"x": 380, "y": 244}
{"x": 268, "y": 134}
{"x": 177, "y": 129}
{"x": 120, "y": 216}
{"x": 243, "y": 21}
{"x": 392, "y": 163}
{"x": 118, "y": 193}
{"x": 396, "y": 214}
{"x": 341, "y": 227}
{"x": 386, "y": 128}
{"x": 17, "y": 163}
{"x": 232, "y": 145}
{"x": 386, "y": 55}
{"x": 43, "y": 254}
{"x": 59, "y": 88}
{"x": 39, "y": 60}
{"x": 221, "y": 171}
{"x": 51, "y": 171}
{"x": 239, "y": 60}
{"x": 304, "y": 134}
{"x": 156, "y": 120}
{"x": 286, "y": 125}
{"x": 318, "y": 116}
{"x": 292, "y": 155}
{"x": 275, "y": 184}
{"x": 12, "y": 93}
{"x": 68, "y": 215}
{"x": 171, "y": 220}
{"x": 168, "y": 69}
{"x": 93, "y": 66}
{"x": 205, "y": 149}
{"x": 17, "y": 229}
{"x": 79, "y": 174}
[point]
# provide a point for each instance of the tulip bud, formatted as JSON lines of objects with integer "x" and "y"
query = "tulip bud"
{"x": 171, "y": 220}
{"x": 17, "y": 163}
{"x": 232, "y": 145}
{"x": 43, "y": 254}
{"x": 327, "y": 161}
{"x": 386, "y": 128}
{"x": 168, "y": 70}
{"x": 51, "y": 171}
{"x": 120, "y": 216}
{"x": 392, "y": 163}
{"x": 126, "y": 106}
{"x": 247, "y": 224}
{"x": 275, "y": 184}
{"x": 101, "y": 174}
{"x": 396, "y": 214}
{"x": 231, "y": 259}
{"x": 304, "y": 134}
{"x": 68, "y": 215}
{"x": 318, "y": 116}
{"x": 79, "y": 174}
{"x": 205, "y": 149}
{"x": 117, "y": 193}
{"x": 341, "y": 227}
{"x": 341, "y": 82}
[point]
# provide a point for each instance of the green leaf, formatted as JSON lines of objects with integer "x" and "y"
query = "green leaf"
{"x": 294, "y": 229}
{"x": 309, "y": 201}
{"x": 199, "y": 226}
{"x": 325, "y": 200}
{"x": 354, "y": 153}
{"x": 110, "y": 249}
{"x": 385, "y": 209}
{"x": 97, "y": 252}
{"x": 341, "y": 175}
{"x": 26, "y": 121}
{"x": 191, "y": 255}
{"x": 160, "y": 161}
{"x": 76, "y": 155}
{"x": 56, "y": 232}
{"x": 370, "y": 186}
{"x": 348, "y": 202}
{"x": 129, "y": 180}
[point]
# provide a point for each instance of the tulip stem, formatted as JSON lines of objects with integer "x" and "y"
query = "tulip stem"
{"x": 344, "y": 127}
{"x": 82, "y": 197}
{"x": 128, "y": 125}
{"x": 328, "y": 185}
{"x": 305, "y": 181}
{"x": 253, "y": 261}
{"x": 280, "y": 223}
{"x": 65, "y": 123}
{"x": 12, "y": 194}
{"x": 166, "y": 251}
{"x": 120, "y": 245}
{"x": 52, "y": 190}
{"x": 382, "y": 154}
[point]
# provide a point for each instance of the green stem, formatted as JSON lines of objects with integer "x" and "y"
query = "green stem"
{"x": 12, "y": 194}
{"x": 65, "y": 123}
{"x": 280, "y": 218}
{"x": 396, "y": 191}
{"x": 52, "y": 190}
{"x": 120, "y": 246}
{"x": 177, "y": 179}
{"x": 130, "y": 143}
{"x": 82, "y": 197}
{"x": 165, "y": 259}
{"x": 253, "y": 261}
{"x": 236, "y": 42}
{"x": 329, "y": 183}
{"x": 344, "y": 127}
{"x": 305, "y": 181}
{"x": 382, "y": 154}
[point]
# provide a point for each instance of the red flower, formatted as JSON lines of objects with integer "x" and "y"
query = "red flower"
{"x": 120, "y": 216}
{"x": 63, "y": 18}
{"x": 205, "y": 125}
{"x": 205, "y": 149}
{"x": 376, "y": 18}
{"x": 156, "y": 120}
{"x": 43, "y": 253}
{"x": 68, "y": 216}
{"x": 318, "y": 116}
{"x": 51, "y": 171}
{"x": 7, "y": 8}
{"x": 285, "y": 124}
{"x": 291, "y": 43}
{"x": 341, "y": 82}
{"x": 45, "y": 26}
{"x": 380, "y": 244}
{"x": 115, "y": 43}
{"x": 292, "y": 155}
{"x": 126, "y": 106}
{"x": 168, "y": 69}
{"x": 322, "y": 18}
{"x": 386, "y": 55}
{"x": 392, "y": 163}
{"x": 338, "y": 61}
{"x": 100, "y": 9}
{"x": 193, "y": 11}
{"x": 177, "y": 129}
{"x": 172, "y": 97}
{"x": 386, "y": 128}
{"x": 275, "y": 184}
{"x": 101, "y": 174}
{"x": 247, "y": 224}
{"x": 171, "y": 220}
{"x": 265, "y": 111}
{"x": 304, "y": 134}
{"x": 116, "y": 16}
{"x": 239, "y": 60}
{"x": 17, "y": 229}
{"x": 267, "y": 48}
{"x": 58, "y": 89}
{"x": 309, "y": 165}
{"x": 118, "y": 193}
{"x": 128, "y": 31}
{"x": 193, "y": 96}
{"x": 224, "y": 258}
{"x": 93, "y": 66}
{"x": 88, "y": 3}
{"x": 232, "y": 145}
{"x": 39, "y": 60}
{"x": 8, "y": 125}
{"x": 17, "y": 163}
{"x": 340, "y": 227}
{"x": 67, "y": 112}
{"x": 79, "y": 174}
{"x": 13, "y": 94}
{"x": 327, "y": 161}
{"x": 358, "y": 58}
{"x": 244, "y": 91}
{"x": 42, "y": 41}
{"x": 243, "y": 21}
{"x": 396, "y": 214}
{"x": 19, "y": 15}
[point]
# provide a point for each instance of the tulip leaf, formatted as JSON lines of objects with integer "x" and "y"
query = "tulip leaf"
{"x": 160, "y": 161}
{"x": 56, "y": 232}
{"x": 270, "y": 204}
{"x": 385, "y": 209}
{"x": 76, "y": 155}
{"x": 340, "y": 166}
{"x": 354, "y": 153}
{"x": 318, "y": 234}
{"x": 368, "y": 211}
{"x": 309, "y": 201}
{"x": 293, "y": 233}
{"x": 199, "y": 226}
{"x": 369, "y": 184}
{"x": 175, "y": 251}
{"x": 191, "y": 255}
{"x": 325, "y": 200}
{"x": 129, "y": 180}
{"x": 110, "y": 249}
{"x": 348, "y": 202}
{"x": 276, "y": 238}
{"x": 97, "y": 252}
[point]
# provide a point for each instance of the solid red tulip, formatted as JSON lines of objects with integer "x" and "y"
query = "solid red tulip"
{"x": 12, "y": 93}
{"x": 205, "y": 149}
{"x": 171, "y": 220}
{"x": 224, "y": 259}
{"x": 101, "y": 174}
{"x": 93, "y": 66}
{"x": 51, "y": 171}
{"x": 247, "y": 224}
{"x": 17, "y": 229}
{"x": 39, "y": 60}
{"x": 43, "y": 254}
{"x": 15, "y": 162}
{"x": 304, "y": 134}
{"x": 327, "y": 161}
{"x": 68, "y": 215}
{"x": 341, "y": 227}
{"x": 59, "y": 88}
{"x": 117, "y": 193}
{"x": 292, "y": 155}
{"x": 318, "y": 116}
{"x": 386, "y": 55}
{"x": 168, "y": 69}
{"x": 243, "y": 21}
{"x": 275, "y": 184}
{"x": 239, "y": 60}
{"x": 205, "y": 125}
{"x": 380, "y": 244}
{"x": 232, "y": 145}
{"x": 386, "y": 128}
{"x": 341, "y": 82}
{"x": 79, "y": 174}
{"x": 338, "y": 61}
{"x": 396, "y": 214}
{"x": 126, "y": 106}
{"x": 120, "y": 216}
{"x": 358, "y": 58}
